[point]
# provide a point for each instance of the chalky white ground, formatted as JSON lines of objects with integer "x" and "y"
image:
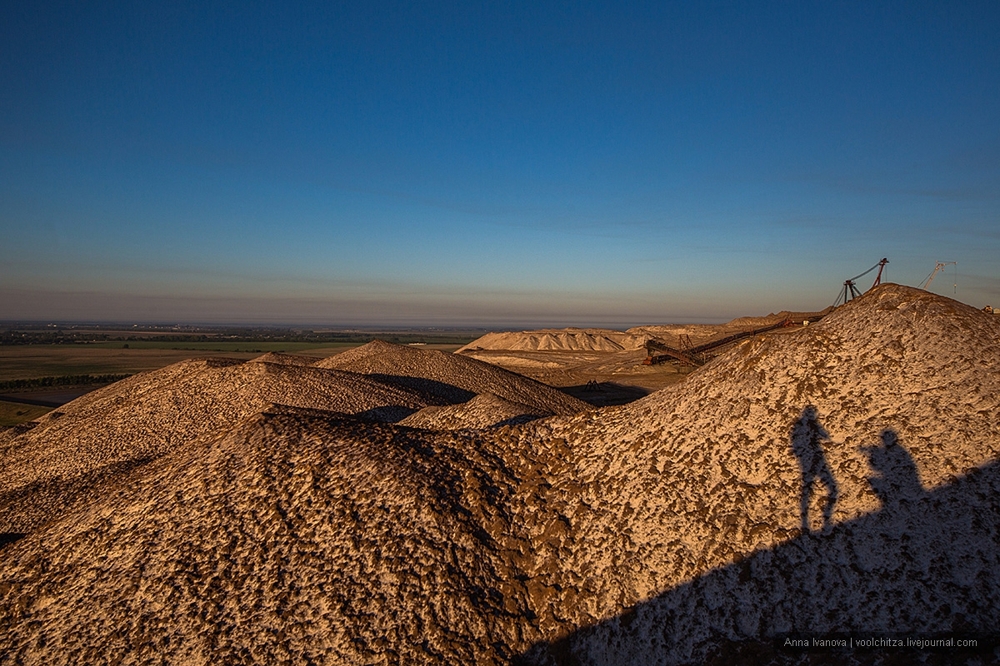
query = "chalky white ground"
{"x": 647, "y": 533}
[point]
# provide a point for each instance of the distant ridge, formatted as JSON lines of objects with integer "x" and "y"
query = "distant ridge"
{"x": 608, "y": 340}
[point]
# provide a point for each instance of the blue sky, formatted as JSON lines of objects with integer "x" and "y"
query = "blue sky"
{"x": 491, "y": 164}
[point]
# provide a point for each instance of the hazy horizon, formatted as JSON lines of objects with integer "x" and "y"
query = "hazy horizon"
{"x": 415, "y": 324}
{"x": 498, "y": 166}
{"x": 280, "y": 313}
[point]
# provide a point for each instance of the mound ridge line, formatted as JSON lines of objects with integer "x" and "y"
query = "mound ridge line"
{"x": 483, "y": 411}
{"x": 127, "y": 424}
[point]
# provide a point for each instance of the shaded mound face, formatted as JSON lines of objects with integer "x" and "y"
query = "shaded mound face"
{"x": 135, "y": 420}
{"x": 484, "y": 411}
{"x": 659, "y": 532}
{"x": 921, "y": 567}
{"x": 453, "y": 377}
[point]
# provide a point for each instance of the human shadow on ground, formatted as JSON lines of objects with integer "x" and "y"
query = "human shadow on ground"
{"x": 924, "y": 564}
{"x": 807, "y": 444}
{"x": 896, "y": 480}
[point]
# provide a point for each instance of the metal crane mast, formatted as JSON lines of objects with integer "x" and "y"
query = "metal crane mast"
{"x": 878, "y": 277}
{"x": 850, "y": 291}
{"x": 937, "y": 267}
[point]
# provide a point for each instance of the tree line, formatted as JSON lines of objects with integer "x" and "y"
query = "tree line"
{"x": 65, "y": 380}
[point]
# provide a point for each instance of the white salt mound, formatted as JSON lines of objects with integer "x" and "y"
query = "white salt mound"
{"x": 669, "y": 531}
{"x": 567, "y": 339}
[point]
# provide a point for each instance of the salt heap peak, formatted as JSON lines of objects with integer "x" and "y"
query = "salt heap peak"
{"x": 285, "y": 359}
{"x": 565, "y": 339}
{"x": 453, "y": 377}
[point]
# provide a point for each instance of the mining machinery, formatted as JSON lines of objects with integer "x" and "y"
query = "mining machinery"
{"x": 658, "y": 351}
{"x": 850, "y": 291}
{"x": 937, "y": 267}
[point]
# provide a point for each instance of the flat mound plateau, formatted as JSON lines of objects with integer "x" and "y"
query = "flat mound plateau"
{"x": 843, "y": 477}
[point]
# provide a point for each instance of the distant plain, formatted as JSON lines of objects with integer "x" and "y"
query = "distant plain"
{"x": 599, "y": 376}
{"x": 32, "y": 361}
{"x": 151, "y": 351}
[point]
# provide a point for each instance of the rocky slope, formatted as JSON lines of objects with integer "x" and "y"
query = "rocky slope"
{"x": 266, "y": 547}
{"x": 905, "y": 385}
{"x": 671, "y": 530}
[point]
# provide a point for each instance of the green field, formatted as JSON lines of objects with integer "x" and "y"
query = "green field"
{"x": 62, "y": 364}
{"x": 226, "y": 346}
{"x": 101, "y": 358}
{"x": 12, "y": 413}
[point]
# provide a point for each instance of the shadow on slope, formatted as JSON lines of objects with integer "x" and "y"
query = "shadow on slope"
{"x": 441, "y": 390}
{"x": 386, "y": 414}
{"x": 7, "y": 538}
{"x": 520, "y": 419}
{"x": 605, "y": 394}
{"x": 806, "y": 440}
{"x": 925, "y": 564}
{"x": 24, "y": 508}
